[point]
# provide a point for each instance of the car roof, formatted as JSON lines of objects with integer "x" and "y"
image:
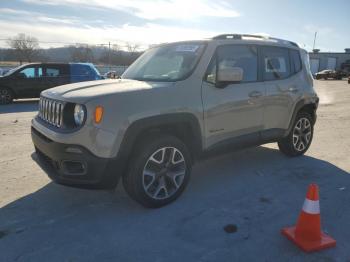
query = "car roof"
{"x": 55, "y": 63}
{"x": 80, "y": 63}
{"x": 46, "y": 63}
{"x": 243, "y": 39}
{"x": 256, "y": 39}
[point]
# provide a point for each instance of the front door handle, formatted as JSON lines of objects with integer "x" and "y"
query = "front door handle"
{"x": 293, "y": 89}
{"x": 255, "y": 94}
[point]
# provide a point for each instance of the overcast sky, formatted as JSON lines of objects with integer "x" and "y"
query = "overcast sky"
{"x": 149, "y": 22}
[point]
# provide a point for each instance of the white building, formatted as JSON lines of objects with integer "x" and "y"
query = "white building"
{"x": 326, "y": 60}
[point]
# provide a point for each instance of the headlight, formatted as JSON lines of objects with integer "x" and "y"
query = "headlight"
{"x": 79, "y": 114}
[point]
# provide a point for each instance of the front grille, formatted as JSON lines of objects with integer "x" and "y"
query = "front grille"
{"x": 51, "y": 111}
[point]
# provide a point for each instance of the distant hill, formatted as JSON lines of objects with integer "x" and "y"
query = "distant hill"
{"x": 97, "y": 55}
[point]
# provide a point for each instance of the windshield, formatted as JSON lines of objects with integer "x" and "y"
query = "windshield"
{"x": 166, "y": 63}
{"x": 98, "y": 75}
{"x": 13, "y": 70}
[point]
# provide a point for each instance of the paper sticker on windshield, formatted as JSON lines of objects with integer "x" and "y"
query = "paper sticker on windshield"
{"x": 187, "y": 48}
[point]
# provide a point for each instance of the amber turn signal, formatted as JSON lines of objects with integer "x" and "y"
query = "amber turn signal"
{"x": 98, "y": 114}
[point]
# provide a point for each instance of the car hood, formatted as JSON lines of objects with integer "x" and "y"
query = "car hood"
{"x": 4, "y": 77}
{"x": 85, "y": 91}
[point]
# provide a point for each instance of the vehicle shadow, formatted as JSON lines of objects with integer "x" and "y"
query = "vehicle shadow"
{"x": 250, "y": 188}
{"x": 30, "y": 105}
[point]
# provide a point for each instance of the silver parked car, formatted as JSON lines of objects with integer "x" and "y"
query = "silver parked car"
{"x": 174, "y": 104}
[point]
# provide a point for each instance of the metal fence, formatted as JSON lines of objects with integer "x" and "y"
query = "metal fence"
{"x": 103, "y": 69}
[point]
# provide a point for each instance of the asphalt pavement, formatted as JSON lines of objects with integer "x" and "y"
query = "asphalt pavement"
{"x": 255, "y": 192}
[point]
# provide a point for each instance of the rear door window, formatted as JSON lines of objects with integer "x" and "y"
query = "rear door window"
{"x": 275, "y": 63}
{"x": 52, "y": 72}
{"x": 56, "y": 70}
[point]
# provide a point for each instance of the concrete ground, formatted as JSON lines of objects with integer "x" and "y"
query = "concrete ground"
{"x": 259, "y": 190}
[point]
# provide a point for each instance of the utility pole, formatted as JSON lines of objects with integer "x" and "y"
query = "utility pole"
{"x": 313, "y": 48}
{"x": 109, "y": 56}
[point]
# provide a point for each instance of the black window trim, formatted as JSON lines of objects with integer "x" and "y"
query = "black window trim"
{"x": 292, "y": 62}
{"x": 260, "y": 72}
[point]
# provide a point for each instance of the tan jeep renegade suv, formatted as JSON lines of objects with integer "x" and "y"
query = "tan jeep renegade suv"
{"x": 175, "y": 103}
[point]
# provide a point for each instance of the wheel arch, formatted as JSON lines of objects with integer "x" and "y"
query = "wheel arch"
{"x": 184, "y": 126}
{"x": 309, "y": 106}
{"x": 2, "y": 85}
{"x": 13, "y": 93}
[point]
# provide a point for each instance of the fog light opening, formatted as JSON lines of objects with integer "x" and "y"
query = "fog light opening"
{"x": 74, "y": 167}
{"x": 73, "y": 150}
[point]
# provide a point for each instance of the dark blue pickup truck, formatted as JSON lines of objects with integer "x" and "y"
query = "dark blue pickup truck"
{"x": 27, "y": 81}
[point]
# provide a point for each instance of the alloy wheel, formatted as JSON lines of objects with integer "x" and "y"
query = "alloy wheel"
{"x": 164, "y": 173}
{"x": 5, "y": 96}
{"x": 302, "y": 134}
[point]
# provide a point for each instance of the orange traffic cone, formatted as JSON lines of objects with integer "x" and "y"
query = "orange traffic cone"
{"x": 307, "y": 233}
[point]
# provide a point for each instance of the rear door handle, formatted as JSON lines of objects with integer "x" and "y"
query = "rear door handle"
{"x": 255, "y": 94}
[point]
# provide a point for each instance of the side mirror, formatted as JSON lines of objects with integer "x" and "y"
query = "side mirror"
{"x": 21, "y": 75}
{"x": 229, "y": 75}
{"x": 111, "y": 75}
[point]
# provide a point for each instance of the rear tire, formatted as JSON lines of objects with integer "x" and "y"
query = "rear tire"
{"x": 300, "y": 137}
{"x": 158, "y": 172}
{"x": 6, "y": 96}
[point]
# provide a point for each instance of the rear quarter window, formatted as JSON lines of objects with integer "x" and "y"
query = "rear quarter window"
{"x": 295, "y": 61}
{"x": 80, "y": 72}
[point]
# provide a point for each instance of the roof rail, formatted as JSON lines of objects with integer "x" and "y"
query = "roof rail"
{"x": 240, "y": 37}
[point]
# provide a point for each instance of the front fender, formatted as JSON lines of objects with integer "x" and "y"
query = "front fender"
{"x": 140, "y": 126}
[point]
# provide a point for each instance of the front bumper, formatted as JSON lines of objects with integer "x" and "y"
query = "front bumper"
{"x": 75, "y": 165}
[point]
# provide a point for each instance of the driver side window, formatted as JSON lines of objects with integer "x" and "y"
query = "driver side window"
{"x": 237, "y": 56}
{"x": 31, "y": 72}
{"x": 28, "y": 72}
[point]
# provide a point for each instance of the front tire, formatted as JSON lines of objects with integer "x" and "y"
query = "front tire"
{"x": 300, "y": 137}
{"x": 6, "y": 96}
{"x": 158, "y": 172}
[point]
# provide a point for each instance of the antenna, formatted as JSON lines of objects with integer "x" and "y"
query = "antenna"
{"x": 313, "y": 48}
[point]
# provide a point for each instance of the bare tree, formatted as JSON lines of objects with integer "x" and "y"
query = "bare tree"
{"x": 82, "y": 54}
{"x": 132, "y": 48}
{"x": 116, "y": 48}
{"x": 111, "y": 55}
{"x": 25, "y": 47}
